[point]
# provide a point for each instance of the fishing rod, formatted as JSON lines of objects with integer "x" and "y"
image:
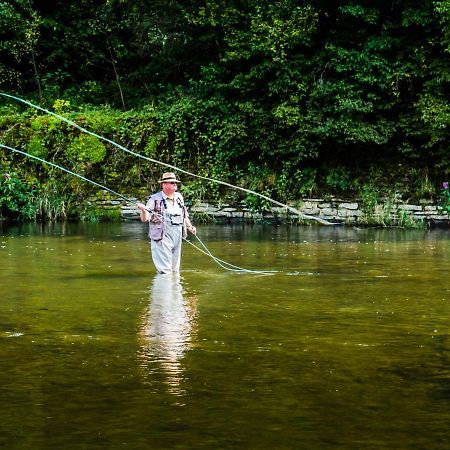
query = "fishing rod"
{"x": 138, "y": 155}
{"x": 225, "y": 265}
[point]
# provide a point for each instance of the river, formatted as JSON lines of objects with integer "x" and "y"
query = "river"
{"x": 345, "y": 345}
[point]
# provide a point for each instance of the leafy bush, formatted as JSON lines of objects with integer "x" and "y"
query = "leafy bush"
{"x": 87, "y": 149}
{"x": 35, "y": 147}
{"x": 16, "y": 197}
{"x": 338, "y": 179}
{"x": 95, "y": 214}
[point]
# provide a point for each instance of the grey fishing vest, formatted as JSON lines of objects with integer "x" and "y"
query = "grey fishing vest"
{"x": 157, "y": 223}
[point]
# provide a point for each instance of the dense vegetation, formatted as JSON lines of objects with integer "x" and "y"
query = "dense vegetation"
{"x": 291, "y": 98}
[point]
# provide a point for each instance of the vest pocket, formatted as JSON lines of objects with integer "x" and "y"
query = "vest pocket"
{"x": 156, "y": 231}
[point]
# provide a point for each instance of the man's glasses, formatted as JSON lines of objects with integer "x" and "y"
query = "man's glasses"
{"x": 170, "y": 182}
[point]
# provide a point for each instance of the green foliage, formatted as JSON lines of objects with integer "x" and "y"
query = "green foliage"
{"x": 442, "y": 8}
{"x": 87, "y": 149}
{"x": 35, "y": 147}
{"x": 27, "y": 200}
{"x": 60, "y": 105}
{"x": 261, "y": 180}
{"x": 16, "y": 197}
{"x": 257, "y": 204}
{"x": 370, "y": 197}
{"x": 338, "y": 179}
{"x": 20, "y": 25}
{"x": 444, "y": 198}
{"x": 50, "y": 205}
{"x": 407, "y": 220}
{"x": 380, "y": 209}
{"x": 424, "y": 186}
{"x": 435, "y": 114}
{"x": 306, "y": 181}
{"x": 95, "y": 214}
{"x": 196, "y": 189}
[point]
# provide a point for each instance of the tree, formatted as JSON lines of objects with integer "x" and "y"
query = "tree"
{"x": 19, "y": 35}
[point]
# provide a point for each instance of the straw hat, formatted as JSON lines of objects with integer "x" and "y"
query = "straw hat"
{"x": 169, "y": 177}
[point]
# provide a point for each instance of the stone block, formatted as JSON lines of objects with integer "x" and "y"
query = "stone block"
{"x": 438, "y": 217}
{"x": 310, "y": 211}
{"x": 309, "y": 205}
{"x": 231, "y": 210}
{"x": 409, "y": 207}
{"x": 279, "y": 210}
{"x": 205, "y": 210}
{"x": 129, "y": 212}
{"x": 329, "y": 211}
{"x": 351, "y": 206}
{"x": 350, "y": 213}
{"x": 218, "y": 214}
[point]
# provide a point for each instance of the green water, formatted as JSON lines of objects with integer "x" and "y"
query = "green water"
{"x": 347, "y": 346}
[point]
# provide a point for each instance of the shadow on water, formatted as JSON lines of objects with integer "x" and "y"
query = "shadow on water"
{"x": 168, "y": 324}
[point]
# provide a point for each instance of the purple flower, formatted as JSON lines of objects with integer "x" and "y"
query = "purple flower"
{"x": 445, "y": 184}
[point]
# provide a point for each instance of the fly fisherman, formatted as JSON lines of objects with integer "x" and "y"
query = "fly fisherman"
{"x": 168, "y": 223}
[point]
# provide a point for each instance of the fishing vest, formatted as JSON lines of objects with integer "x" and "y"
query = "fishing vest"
{"x": 157, "y": 222}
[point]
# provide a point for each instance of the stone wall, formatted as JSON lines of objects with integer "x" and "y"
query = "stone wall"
{"x": 351, "y": 212}
{"x": 336, "y": 210}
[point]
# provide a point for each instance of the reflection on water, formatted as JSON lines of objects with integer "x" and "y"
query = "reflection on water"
{"x": 167, "y": 327}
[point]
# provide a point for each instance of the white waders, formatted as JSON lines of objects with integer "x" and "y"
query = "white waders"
{"x": 166, "y": 253}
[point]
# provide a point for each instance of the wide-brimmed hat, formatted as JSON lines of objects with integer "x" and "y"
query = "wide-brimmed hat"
{"x": 169, "y": 177}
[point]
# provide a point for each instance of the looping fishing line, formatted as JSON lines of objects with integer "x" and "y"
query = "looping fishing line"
{"x": 225, "y": 265}
{"x": 222, "y": 263}
{"x": 138, "y": 155}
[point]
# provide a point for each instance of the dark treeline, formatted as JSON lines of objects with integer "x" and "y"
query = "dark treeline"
{"x": 288, "y": 97}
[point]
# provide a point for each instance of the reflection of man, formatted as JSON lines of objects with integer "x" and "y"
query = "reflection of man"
{"x": 167, "y": 327}
{"x": 168, "y": 223}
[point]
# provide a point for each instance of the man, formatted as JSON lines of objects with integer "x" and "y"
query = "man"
{"x": 168, "y": 224}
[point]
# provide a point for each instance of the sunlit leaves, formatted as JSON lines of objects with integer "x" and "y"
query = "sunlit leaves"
{"x": 442, "y": 8}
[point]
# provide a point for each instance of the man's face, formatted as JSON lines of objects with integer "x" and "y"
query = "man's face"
{"x": 169, "y": 187}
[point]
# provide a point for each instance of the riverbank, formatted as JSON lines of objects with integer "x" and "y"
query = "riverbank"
{"x": 390, "y": 212}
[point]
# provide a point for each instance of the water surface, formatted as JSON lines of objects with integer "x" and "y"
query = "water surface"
{"x": 345, "y": 346}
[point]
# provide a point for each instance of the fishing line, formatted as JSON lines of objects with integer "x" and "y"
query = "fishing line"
{"x": 225, "y": 265}
{"x": 66, "y": 170}
{"x": 138, "y": 155}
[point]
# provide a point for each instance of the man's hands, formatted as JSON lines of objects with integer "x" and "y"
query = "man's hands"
{"x": 144, "y": 210}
